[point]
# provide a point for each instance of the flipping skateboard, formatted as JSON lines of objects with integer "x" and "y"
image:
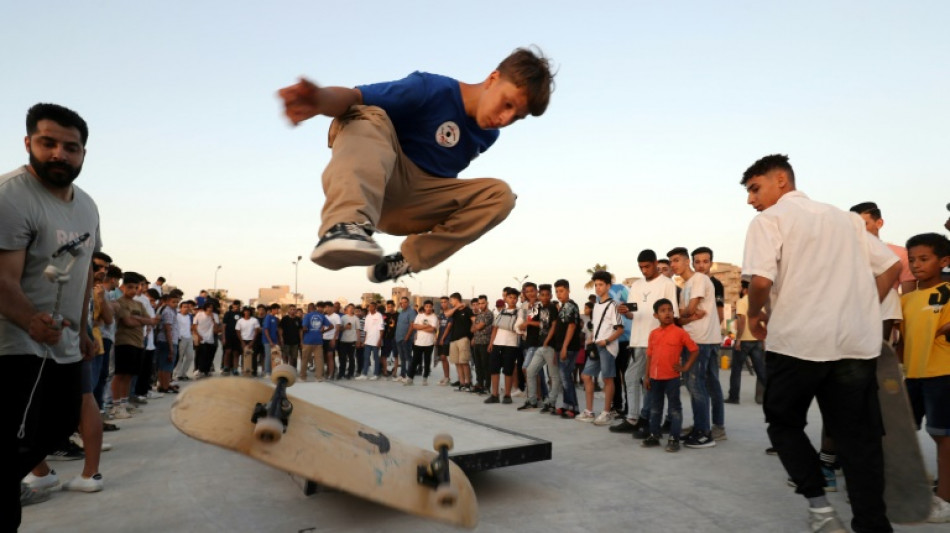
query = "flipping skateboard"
{"x": 262, "y": 422}
{"x": 907, "y": 490}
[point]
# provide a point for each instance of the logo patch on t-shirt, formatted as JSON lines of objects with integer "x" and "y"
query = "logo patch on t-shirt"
{"x": 448, "y": 134}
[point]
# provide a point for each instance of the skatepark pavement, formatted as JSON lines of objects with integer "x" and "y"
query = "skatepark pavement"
{"x": 157, "y": 479}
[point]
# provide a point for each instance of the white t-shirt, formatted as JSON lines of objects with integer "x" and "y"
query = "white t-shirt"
{"x": 825, "y": 305}
{"x": 184, "y": 326}
{"x": 645, "y": 294}
{"x": 349, "y": 335}
{"x": 508, "y": 323}
{"x": 205, "y": 326}
{"x": 706, "y": 330}
{"x": 426, "y": 338}
{"x": 331, "y": 334}
{"x": 373, "y": 324}
{"x": 611, "y": 319}
{"x": 247, "y": 328}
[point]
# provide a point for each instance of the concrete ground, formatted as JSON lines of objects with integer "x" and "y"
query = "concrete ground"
{"x": 157, "y": 479}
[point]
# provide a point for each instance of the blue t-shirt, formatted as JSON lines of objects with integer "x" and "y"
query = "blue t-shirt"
{"x": 429, "y": 116}
{"x": 405, "y": 320}
{"x": 313, "y": 324}
{"x": 270, "y": 325}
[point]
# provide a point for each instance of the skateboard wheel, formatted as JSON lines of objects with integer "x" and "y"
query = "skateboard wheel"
{"x": 446, "y": 496}
{"x": 269, "y": 430}
{"x": 284, "y": 371}
{"x": 443, "y": 439}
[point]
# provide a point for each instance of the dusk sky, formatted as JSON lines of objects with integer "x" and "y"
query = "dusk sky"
{"x": 659, "y": 108}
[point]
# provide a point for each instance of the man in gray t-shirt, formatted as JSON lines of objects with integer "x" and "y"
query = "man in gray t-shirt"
{"x": 40, "y": 212}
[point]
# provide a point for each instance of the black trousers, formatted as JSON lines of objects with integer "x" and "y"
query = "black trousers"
{"x": 346, "y": 364}
{"x": 421, "y": 355}
{"x": 53, "y": 416}
{"x": 619, "y": 402}
{"x": 204, "y": 357}
{"x": 482, "y": 365}
{"x": 846, "y": 391}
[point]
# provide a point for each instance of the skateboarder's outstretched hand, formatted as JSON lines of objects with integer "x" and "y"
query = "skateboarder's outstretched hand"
{"x": 304, "y": 100}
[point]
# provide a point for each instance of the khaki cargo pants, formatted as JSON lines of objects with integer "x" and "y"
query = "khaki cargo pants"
{"x": 369, "y": 179}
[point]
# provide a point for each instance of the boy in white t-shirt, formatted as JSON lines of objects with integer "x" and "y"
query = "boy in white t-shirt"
{"x": 643, "y": 294}
{"x": 425, "y": 325}
{"x": 698, "y": 316}
{"x": 607, "y": 328}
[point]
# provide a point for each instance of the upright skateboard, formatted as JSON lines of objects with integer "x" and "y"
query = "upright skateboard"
{"x": 907, "y": 490}
{"x": 262, "y": 422}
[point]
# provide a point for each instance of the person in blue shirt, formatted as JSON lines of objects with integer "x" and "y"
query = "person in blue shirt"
{"x": 407, "y": 315}
{"x": 396, "y": 147}
{"x": 315, "y": 324}
{"x": 270, "y": 336}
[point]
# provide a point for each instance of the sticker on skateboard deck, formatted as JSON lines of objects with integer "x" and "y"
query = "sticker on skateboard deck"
{"x": 263, "y": 422}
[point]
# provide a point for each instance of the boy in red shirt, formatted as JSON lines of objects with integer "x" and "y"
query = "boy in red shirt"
{"x": 665, "y": 349}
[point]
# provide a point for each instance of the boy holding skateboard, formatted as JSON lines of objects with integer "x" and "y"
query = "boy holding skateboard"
{"x": 396, "y": 147}
{"x": 926, "y": 353}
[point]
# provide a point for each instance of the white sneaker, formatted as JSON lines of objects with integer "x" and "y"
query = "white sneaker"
{"x": 120, "y": 413}
{"x": 42, "y": 482}
{"x": 603, "y": 419}
{"x": 585, "y": 416}
{"x": 374, "y": 378}
{"x": 939, "y": 511}
{"x": 425, "y": 381}
{"x": 360, "y": 377}
{"x": 77, "y": 440}
{"x": 84, "y": 484}
{"x": 152, "y": 395}
{"x": 825, "y": 520}
{"x": 517, "y": 394}
{"x": 444, "y": 381}
{"x": 407, "y": 383}
{"x": 393, "y": 378}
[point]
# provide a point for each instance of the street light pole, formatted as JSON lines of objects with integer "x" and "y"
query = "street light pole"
{"x": 215, "y": 289}
{"x": 296, "y": 269}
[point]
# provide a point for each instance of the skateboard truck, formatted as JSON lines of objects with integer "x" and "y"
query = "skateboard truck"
{"x": 60, "y": 274}
{"x": 271, "y": 419}
{"x": 436, "y": 473}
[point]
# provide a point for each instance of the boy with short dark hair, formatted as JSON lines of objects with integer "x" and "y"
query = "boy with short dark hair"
{"x": 607, "y": 329}
{"x": 397, "y": 146}
{"x": 666, "y": 346}
{"x": 926, "y": 353}
{"x": 503, "y": 345}
{"x": 698, "y": 316}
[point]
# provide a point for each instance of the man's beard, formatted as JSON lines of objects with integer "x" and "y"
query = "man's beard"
{"x": 58, "y": 174}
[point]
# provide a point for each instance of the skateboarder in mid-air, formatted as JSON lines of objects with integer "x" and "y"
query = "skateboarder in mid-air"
{"x": 396, "y": 147}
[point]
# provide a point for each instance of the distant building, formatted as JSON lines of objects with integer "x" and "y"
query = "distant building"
{"x": 279, "y": 294}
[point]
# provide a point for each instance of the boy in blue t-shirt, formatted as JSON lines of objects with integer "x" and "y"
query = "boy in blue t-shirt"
{"x": 315, "y": 324}
{"x": 396, "y": 147}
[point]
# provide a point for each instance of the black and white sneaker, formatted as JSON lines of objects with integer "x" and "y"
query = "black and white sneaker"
{"x": 347, "y": 244}
{"x": 69, "y": 452}
{"x": 389, "y": 269}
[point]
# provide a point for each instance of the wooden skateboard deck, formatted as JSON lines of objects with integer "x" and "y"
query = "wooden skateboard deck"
{"x": 907, "y": 490}
{"x": 320, "y": 445}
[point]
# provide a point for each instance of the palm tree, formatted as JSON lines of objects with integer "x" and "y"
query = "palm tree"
{"x": 590, "y": 272}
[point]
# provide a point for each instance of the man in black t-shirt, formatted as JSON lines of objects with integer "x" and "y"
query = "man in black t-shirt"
{"x": 565, "y": 338}
{"x": 290, "y": 331}
{"x": 232, "y": 343}
{"x": 390, "y": 316}
{"x": 460, "y": 344}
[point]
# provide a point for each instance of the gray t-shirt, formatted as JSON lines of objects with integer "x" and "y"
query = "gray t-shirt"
{"x": 32, "y": 219}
